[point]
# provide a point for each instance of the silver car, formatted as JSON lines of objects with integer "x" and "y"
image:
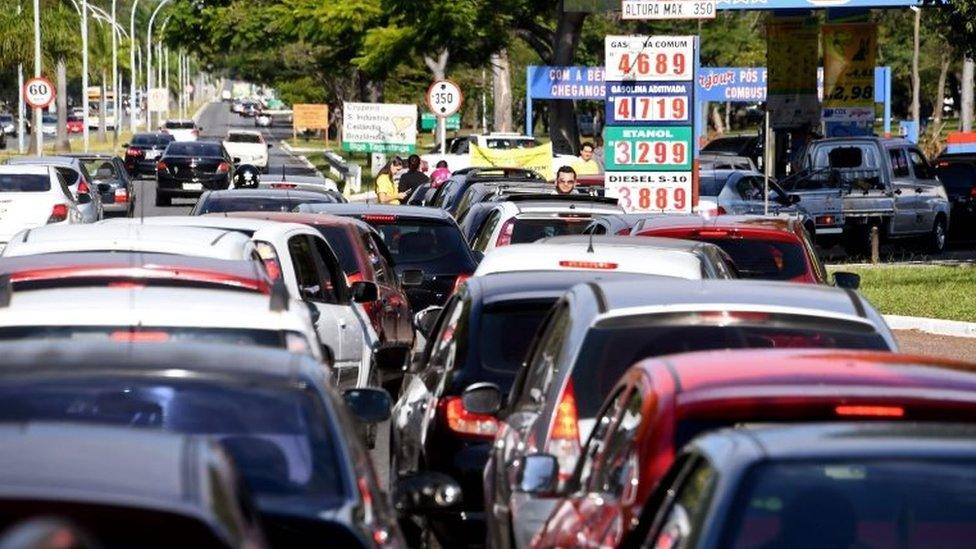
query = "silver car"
{"x": 80, "y": 182}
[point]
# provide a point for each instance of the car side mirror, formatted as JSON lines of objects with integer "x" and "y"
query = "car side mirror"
{"x": 539, "y": 475}
{"x": 364, "y": 291}
{"x": 412, "y": 277}
{"x": 425, "y": 320}
{"x": 236, "y": 160}
{"x": 103, "y": 188}
{"x": 369, "y": 405}
{"x": 270, "y": 146}
{"x": 849, "y": 281}
{"x": 482, "y": 398}
{"x": 426, "y": 492}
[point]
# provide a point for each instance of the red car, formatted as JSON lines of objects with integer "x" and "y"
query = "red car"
{"x": 767, "y": 248}
{"x": 75, "y": 124}
{"x": 363, "y": 256}
{"x": 661, "y": 404}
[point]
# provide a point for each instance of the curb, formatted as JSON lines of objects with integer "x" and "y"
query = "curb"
{"x": 936, "y": 326}
{"x": 301, "y": 158}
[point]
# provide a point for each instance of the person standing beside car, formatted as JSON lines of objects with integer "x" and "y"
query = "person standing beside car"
{"x": 413, "y": 177}
{"x": 386, "y": 189}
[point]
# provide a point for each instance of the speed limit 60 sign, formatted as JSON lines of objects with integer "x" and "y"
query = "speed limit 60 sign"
{"x": 444, "y": 98}
{"x": 38, "y": 92}
{"x": 649, "y": 58}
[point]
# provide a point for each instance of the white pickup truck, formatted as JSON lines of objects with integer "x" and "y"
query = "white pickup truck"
{"x": 247, "y": 147}
{"x": 458, "y": 155}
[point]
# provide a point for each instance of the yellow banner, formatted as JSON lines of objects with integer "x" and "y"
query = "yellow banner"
{"x": 538, "y": 158}
{"x": 310, "y": 116}
{"x": 850, "y": 51}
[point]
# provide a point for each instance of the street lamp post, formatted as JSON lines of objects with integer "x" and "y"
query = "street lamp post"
{"x": 132, "y": 67}
{"x": 115, "y": 77}
{"x": 38, "y": 134}
{"x": 149, "y": 53}
{"x": 84, "y": 70}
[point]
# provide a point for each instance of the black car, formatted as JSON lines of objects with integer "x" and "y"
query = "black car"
{"x": 425, "y": 239}
{"x": 448, "y": 195}
{"x": 187, "y": 168}
{"x": 491, "y": 191}
{"x": 273, "y": 411}
{"x": 481, "y": 337}
{"x": 875, "y": 484}
{"x": 258, "y": 200}
{"x": 142, "y": 153}
{"x": 958, "y": 175}
{"x": 120, "y": 197}
{"x": 118, "y": 486}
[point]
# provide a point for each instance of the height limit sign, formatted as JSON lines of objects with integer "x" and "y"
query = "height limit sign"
{"x": 444, "y": 98}
{"x": 667, "y": 9}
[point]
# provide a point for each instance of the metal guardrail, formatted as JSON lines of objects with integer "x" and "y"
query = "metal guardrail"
{"x": 351, "y": 174}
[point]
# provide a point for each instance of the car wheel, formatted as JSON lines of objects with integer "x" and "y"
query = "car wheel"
{"x": 857, "y": 241}
{"x": 162, "y": 200}
{"x": 938, "y": 236}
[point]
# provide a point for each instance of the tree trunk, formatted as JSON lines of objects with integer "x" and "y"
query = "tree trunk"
{"x": 61, "y": 143}
{"x": 102, "y": 136}
{"x": 439, "y": 69}
{"x": 717, "y": 119}
{"x": 966, "y": 114}
{"x": 916, "y": 113}
{"x": 501, "y": 83}
{"x": 946, "y": 61}
{"x": 562, "y": 114}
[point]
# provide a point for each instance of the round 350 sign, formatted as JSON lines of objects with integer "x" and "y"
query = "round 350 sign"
{"x": 38, "y": 92}
{"x": 444, "y": 98}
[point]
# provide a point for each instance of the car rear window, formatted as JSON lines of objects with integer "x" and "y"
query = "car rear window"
{"x": 244, "y": 138}
{"x": 177, "y": 125}
{"x": 195, "y": 148}
{"x": 24, "y": 183}
{"x": 149, "y": 140}
{"x": 712, "y": 184}
{"x": 277, "y": 435}
{"x": 341, "y": 242}
{"x": 763, "y": 259}
{"x": 505, "y": 333}
{"x": 616, "y": 344}
{"x": 418, "y": 240}
{"x": 108, "y": 334}
{"x": 958, "y": 176}
{"x": 855, "y": 503}
{"x": 225, "y": 203}
{"x": 101, "y": 168}
{"x": 530, "y": 229}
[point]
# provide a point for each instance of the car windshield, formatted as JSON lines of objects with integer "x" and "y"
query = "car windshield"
{"x": 511, "y": 143}
{"x": 179, "y": 125}
{"x": 48, "y": 119}
{"x": 855, "y": 503}
{"x": 838, "y": 165}
{"x": 763, "y": 259}
{"x": 101, "y": 168}
{"x": 283, "y": 203}
{"x": 958, "y": 176}
{"x": 616, "y": 344}
{"x": 530, "y": 229}
{"x": 341, "y": 243}
{"x": 24, "y": 183}
{"x": 505, "y": 333}
{"x": 277, "y": 435}
{"x": 244, "y": 138}
{"x": 195, "y": 148}
{"x": 148, "y": 140}
{"x": 416, "y": 240}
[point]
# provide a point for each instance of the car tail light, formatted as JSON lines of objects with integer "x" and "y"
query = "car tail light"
{"x": 121, "y": 196}
{"x": 134, "y": 336}
{"x": 505, "y": 237}
{"x": 379, "y": 218}
{"x": 283, "y": 185}
{"x": 224, "y": 167}
{"x": 83, "y": 187}
{"x": 720, "y": 211}
{"x": 131, "y": 151}
{"x": 564, "y": 439}
{"x": 463, "y": 422}
{"x": 714, "y": 233}
{"x": 600, "y": 265}
{"x": 734, "y": 316}
{"x": 461, "y": 279}
{"x": 972, "y": 192}
{"x": 58, "y": 213}
{"x": 161, "y": 166}
{"x": 845, "y": 410}
{"x": 825, "y": 220}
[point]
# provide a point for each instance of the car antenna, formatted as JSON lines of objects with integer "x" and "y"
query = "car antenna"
{"x": 282, "y": 172}
{"x": 589, "y": 248}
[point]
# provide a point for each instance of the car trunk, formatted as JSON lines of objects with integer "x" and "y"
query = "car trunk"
{"x": 23, "y": 211}
{"x": 188, "y": 168}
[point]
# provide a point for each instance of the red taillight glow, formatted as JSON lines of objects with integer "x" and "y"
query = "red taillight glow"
{"x": 599, "y": 265}
{"x": 121, "y": 196}
{"x": 505, "y": 236}
{"x": 564, "y": 439}
{"x": 825, "y": 220}
{"x": 83, "y": 187}
{"x": 283, "y": 185}
{"x": 58, "y": 213}
{"x": 131, "y": 151}
{"x": 463, "y": 422}
{"x": 714, "y": 233}
{"x": 972, "y": 192}
{"x": 152, "y": 337}
{"x": 737, "y": 316}
{"x": 379, "y": 218}
{"x": 461, "y": 278}
{"x": 869, "y": 411}
{"x": 161, "y": 166}
{"x": 224, "y": 167}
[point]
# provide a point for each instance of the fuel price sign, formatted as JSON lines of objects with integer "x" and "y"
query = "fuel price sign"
{"x": 638, "y": 103}
{"x": 649, "y": 148}
{"x": 649, "y": 58}
{"x": 651, "y": 191}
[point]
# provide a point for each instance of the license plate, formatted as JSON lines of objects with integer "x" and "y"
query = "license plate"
{"x": 193, "y": 186}
{"x": 152, "y": 154}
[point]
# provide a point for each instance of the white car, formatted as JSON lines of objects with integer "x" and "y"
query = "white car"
{"x": 525, "y": 219}
{"x": 311, "y": 271}
{"x": 619, "y": 254}
{"x": 34, "y": 196}
{"x": 247, "y": 147}
{"x": 85, "y": 191}
{"x": 458, "y": 151}
{"x": 134, "y": 313}
{"x": 132, "y": 237}
{"x": 263, "y": 120}
{"x": 181, "y": 130}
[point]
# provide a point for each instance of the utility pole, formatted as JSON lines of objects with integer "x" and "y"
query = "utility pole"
{"x": 38, "y": 134}
{"x": 84, "y": 70}
{"x": 133, "y": 122}
{"x": 968, "y": 68}
{"x": 115, "y": 77}
{"x": 916, "y": 85}
{"x": 20, "y": 98}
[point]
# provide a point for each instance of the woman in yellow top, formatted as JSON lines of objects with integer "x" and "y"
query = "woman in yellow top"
{"x": 386, "y": 189}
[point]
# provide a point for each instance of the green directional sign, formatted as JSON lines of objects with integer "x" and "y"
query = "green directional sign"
{"x": 647, "y": 148}
{"x": 428, "y": 121}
